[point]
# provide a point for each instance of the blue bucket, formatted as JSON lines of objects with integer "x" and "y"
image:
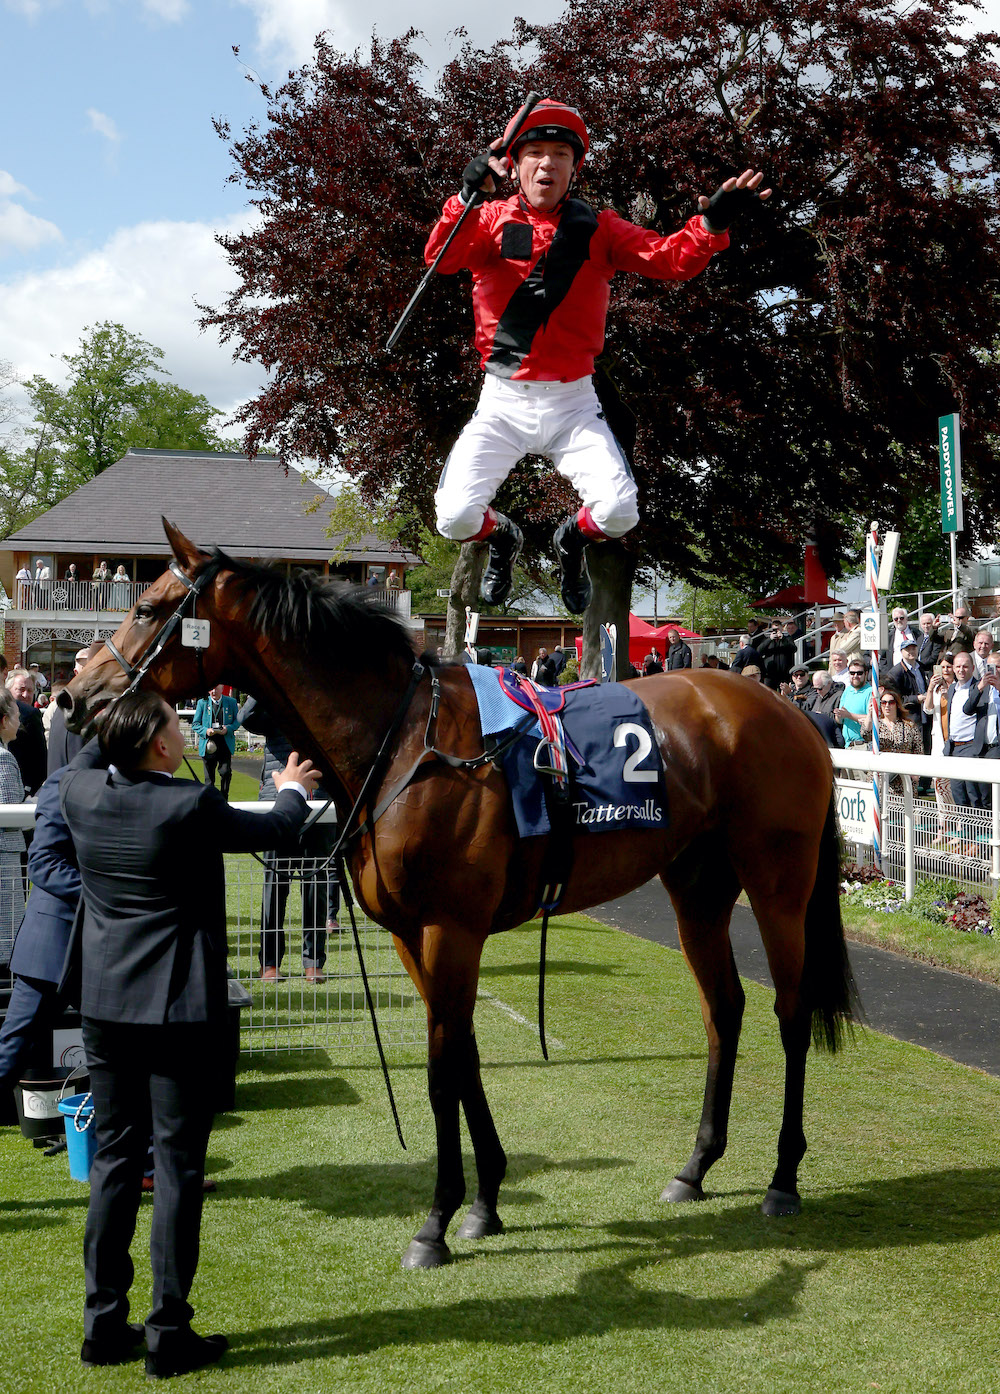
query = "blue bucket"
{"x": 81, "y": 1134}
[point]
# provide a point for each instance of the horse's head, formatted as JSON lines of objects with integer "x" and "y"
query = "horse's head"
{"x": 175, "y": 671}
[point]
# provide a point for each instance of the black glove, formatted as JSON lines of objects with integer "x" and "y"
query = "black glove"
{"x": 727, "y": 204}
{"x": 475, "y": 172}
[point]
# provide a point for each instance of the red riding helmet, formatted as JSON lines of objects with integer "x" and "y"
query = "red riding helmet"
{"x": 553, "y": 120}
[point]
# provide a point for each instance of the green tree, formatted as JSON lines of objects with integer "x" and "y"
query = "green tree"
{"x": 31, "y": 469}
{"x": 113, "y": 401}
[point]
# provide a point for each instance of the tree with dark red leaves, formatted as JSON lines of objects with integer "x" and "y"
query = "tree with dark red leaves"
{"x": 790, "y": 390}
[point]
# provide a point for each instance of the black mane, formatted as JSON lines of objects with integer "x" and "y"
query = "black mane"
{"x": 350, "y": 624}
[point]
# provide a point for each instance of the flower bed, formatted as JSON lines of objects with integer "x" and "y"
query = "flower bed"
{"x": 938, "y": 900}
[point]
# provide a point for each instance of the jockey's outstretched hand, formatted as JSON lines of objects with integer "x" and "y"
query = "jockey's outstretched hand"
{"x": 732, "y": 198}
{"x": 477, "y": 181}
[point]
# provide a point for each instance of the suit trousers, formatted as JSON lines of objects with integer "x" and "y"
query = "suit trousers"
{"x": 222, "y": 761}
{"x": 145, "y": 1079}
{"x": 320, "y": 898}
{"x": 32, "y": 1011}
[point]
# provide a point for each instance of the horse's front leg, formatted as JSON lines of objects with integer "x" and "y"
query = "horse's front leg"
{"x": 449, "y": 970}
{"x": 491, "y": 1160}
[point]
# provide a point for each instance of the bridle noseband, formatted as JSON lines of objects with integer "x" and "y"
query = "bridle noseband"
{"x": 135, "y": 672}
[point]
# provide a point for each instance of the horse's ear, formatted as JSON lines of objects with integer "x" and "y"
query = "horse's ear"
{"x": 189, "y": 556}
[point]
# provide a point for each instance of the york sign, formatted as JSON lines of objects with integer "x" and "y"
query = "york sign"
{"x": 856, "y": 811}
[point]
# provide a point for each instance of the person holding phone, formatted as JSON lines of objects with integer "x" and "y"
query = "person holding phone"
{"x": 935, "y": 703}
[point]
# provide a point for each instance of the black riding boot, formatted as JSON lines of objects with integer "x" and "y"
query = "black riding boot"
{"x": 505, "y": 541}
{"x": 570, "y": 545}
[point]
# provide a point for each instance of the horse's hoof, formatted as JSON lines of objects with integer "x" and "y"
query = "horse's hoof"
{"x": 426, "y": 1253}
{"x": 780, "y": 1203}
{"x": 679, "y": 1190}
{"x": 479, "y": 1226}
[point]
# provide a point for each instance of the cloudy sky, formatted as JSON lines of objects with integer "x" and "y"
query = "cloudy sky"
{"x": 112, "y": 181}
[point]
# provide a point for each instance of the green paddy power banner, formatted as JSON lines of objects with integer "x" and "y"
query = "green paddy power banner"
{"x": 950, "y": 450}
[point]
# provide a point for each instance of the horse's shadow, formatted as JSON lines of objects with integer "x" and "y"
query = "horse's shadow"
{"x": 377, "y": 1190}
{"x": 953, "y": 1206}
{"x": 605, "y": 1300}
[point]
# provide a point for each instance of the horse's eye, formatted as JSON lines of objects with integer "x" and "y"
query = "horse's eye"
{"x": 144, "y": 612}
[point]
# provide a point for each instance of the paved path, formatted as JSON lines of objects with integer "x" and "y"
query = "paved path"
{"x": 947, "y": 1012}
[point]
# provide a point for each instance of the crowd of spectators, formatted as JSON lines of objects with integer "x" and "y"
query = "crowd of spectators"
{"x": 101, "y": 589}
{"x": 938, "y": 694}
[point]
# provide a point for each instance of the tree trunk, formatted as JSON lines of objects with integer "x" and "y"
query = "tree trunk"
{"x": 465, "y": 581}
{"x": 611, "y": 572}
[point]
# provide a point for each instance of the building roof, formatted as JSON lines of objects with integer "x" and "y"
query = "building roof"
{"x": 249, "y": 508}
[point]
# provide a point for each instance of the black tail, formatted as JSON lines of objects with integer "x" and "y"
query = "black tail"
{"x": 827, "y": 981}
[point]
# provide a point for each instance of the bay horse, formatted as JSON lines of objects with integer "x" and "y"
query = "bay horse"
{"x": 749, "y": 789}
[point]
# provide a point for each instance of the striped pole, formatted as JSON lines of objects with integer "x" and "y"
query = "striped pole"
{"x": 875, "y": 709}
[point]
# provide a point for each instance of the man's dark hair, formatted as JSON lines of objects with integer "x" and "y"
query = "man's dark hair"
{"x": 129, "y": 727}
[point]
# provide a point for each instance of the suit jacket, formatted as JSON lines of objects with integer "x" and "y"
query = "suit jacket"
{"x": 905, "y": 680}
{"x": 930, "y": 650}
{"x": 977, "y": 704}
{"x": 847, "y": 642}
{"x": 64, "y": 745}
{"x": 203, "y": 720}
{"x": 28, "y": 748}
{"x": 745, "y": 658}
{"x": 152, "y": 946}
{"x": 42, "y": 940}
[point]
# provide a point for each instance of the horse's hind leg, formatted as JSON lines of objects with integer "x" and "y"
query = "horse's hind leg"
{"x": 704, "y": 905}
{"x": 781, "y": 921}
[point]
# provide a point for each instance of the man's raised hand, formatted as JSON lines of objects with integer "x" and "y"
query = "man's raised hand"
{"x": 732, "y": 198}
{"x": 298, "y": 771}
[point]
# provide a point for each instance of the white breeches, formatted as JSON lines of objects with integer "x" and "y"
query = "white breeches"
{"x": 561, "y": 420}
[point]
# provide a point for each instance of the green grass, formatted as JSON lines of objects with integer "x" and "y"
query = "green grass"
{"x": 886, "y": 1281}
{"x": 977, "y": 955}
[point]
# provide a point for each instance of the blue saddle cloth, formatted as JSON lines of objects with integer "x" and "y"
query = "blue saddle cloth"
{"x": 617, "y": 773}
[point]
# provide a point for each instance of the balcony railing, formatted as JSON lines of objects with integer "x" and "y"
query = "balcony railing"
{"x": 50, "y": 598}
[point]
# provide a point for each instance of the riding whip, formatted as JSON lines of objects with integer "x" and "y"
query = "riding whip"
{"x": 530, "y": 102}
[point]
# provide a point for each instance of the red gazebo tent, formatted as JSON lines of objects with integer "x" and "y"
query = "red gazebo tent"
{"x": 793, "y": 598}
{"x": 642, "y": 637}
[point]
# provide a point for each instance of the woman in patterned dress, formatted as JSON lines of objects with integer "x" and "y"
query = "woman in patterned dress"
{"x": 897, "y": 734}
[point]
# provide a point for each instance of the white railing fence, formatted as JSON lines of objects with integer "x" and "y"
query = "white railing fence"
{"x": 921, "y": 837}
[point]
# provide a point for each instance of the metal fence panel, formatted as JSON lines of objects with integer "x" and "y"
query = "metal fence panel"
{"x": 296, "y": 1014}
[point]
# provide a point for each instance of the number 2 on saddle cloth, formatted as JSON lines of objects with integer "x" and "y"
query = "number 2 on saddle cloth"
{"x": 601, "y": 771}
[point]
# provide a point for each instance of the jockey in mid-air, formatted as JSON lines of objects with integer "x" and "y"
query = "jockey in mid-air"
{"x": 541, "y": 262}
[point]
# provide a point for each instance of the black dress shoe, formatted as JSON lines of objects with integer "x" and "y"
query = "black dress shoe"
{"x": 178, "y": 1354}
{"x": 574, "y": 577}
{"x": 506, "y": 541}
{"x": 113, "y": 1350}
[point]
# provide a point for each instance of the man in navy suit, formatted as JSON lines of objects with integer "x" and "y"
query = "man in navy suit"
{"x": 40, "y": 946}
{"x": 151, "y": 958}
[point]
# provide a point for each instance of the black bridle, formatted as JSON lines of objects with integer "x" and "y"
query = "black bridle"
{"x": 135, "y": 672}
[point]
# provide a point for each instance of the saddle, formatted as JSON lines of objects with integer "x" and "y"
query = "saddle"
{"x": 577, "y": 759}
